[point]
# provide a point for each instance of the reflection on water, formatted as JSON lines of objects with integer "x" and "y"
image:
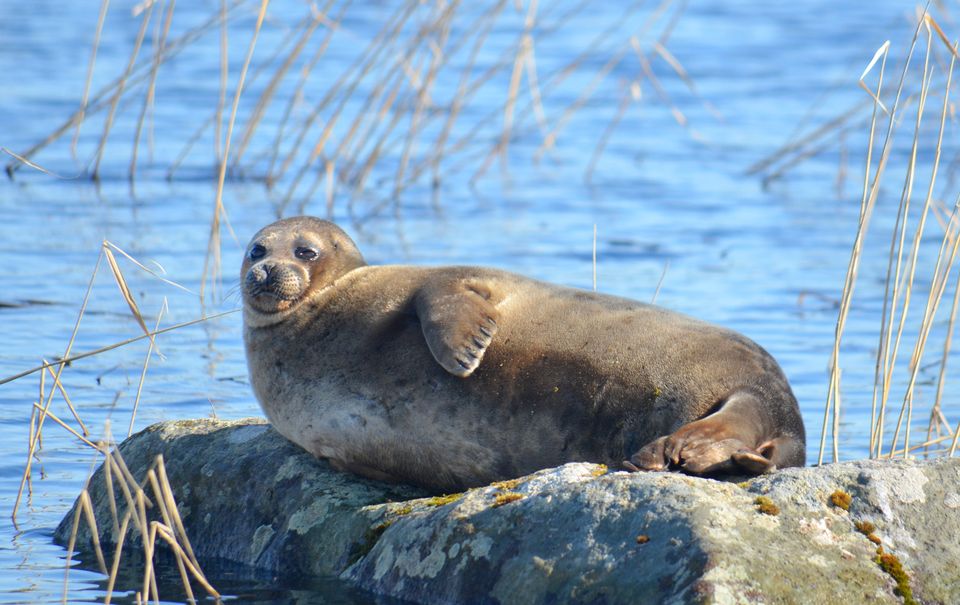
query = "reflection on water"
{"x": 667, "y": 201}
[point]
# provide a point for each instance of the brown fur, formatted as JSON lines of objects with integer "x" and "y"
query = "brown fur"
{"x": 385, "y": 371}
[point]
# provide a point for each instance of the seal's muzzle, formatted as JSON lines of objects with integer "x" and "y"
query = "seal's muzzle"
{"x": 277, "y": 280}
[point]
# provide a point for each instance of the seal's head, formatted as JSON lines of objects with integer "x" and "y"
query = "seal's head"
{"x": 292, "y": 258}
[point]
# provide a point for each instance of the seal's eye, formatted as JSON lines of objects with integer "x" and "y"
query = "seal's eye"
{"x": 257, "y": 251}
{"x": 305, "y": 253}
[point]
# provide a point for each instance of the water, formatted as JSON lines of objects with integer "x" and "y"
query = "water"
{"x": 665, "y": 199}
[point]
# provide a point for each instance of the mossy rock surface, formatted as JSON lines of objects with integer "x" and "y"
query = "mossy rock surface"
{"x": 567, "y": 535}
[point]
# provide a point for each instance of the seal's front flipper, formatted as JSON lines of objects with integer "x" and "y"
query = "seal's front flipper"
{"x": 458, "y": 321}
{"x": 734, "y": 439}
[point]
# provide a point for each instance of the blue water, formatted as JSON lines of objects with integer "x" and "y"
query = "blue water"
{"x": 765, "y": 258}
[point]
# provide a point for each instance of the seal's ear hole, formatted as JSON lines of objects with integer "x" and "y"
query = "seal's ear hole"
{"x": 767, "y": 449}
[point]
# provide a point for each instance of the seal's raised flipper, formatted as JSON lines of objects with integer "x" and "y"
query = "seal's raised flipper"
{"x": 458, "y": 321}
{"x": 734, "y": 439}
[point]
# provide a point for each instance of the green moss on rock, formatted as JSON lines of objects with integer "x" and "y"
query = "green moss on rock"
{"x": 506, "y": 498}
{"x": 889, "y": 563}
{"x": 841, "y": 499}
{"x": 766, "y": 506}
{"x": 441, "y": 500}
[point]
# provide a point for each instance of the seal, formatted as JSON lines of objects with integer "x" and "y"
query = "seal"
{"x": 453, "y": 377}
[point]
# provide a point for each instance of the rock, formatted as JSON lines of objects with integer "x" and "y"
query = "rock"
{"x": 573, "y": 534}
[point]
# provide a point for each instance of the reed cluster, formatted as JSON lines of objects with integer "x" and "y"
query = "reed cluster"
{"x": 325, "y": 114}
{"x": 915, "y": 323}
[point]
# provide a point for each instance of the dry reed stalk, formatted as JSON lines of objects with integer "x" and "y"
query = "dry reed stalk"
{"x": 904, "y": 260}
{"x": 66, "y": 398}
{"x": 934, "y": 297}
{"x": 70, "y": 429}
{"x": 104, "y": 97}
{"x": 633, "y": 93}
{"x": 124, "y": 289}
{"x": 149, "y": 574}
{"x": 647, "y": 68}
{"x": 594, "y": 263}
{"x": 32, "y": 430}
{"x": 386, "y": 91}
{"x": 922, "y": 446}
{"x": 211, "y": 269}
{"x": 939, "y": 282}
{"x": 812, "y": 150}
{"x": 431, "y": 162}
{"x": 165, "y": 514}
{"x": 395, "y": 39}
{"x": 663, "y": 276}
{"x": 868, "y": 199}
{"x": 519, "y": 62}
{"x": 147, "y": 269}
{"x": 391, "y": 86}
{"x": 357, "y": 70}
{"x": 149, "y": 106}
{"x": 366, "y": 64}
{"x": 170, "y": 530}
{"x": 222, "y": 99}
{"x": 551, "y": 137}
{"x": 117, "y": 554}
{"x": 674, "y": 63}
{"x": 25, "y": 161}
{"x": 160, "y": 42}
{"x": 802, "y": 147}
{"x": 196, "y": 572}
{"x": 128, "y": 486}
{"x": 549, "y": 141}
{"x": 461, "y": 96}
{"x": 328, "y": 169}
{"x": 798, "y": 149}
{"x": 167, "y": 494}
{"x": 533, "y": 86}
{"x": 266, "y": 97}
{"x": 104, "y": 6}
{"x": 188, "y": 146}
{"x": 382, "y": 140}
{"x": 442, "y": 25}
{"x": 71, "y": 543}
{"x": 216, "y": 117}
{"x": 956, "y": 439}
{"x": 143, "y": 372}
{"x": 464, "y": 92}
{"x": 941, "y": 378}
{"x": 69, "y": 359}
{"x": 87, "y": 507}
{"x": 115, "y": 100}
{"x": 297, "y": 94}
{"x": 34, "y": 433}
{"x": 108, "y": 472}
{"x": 898, "y": 245}
{"x": 32, "y": 445}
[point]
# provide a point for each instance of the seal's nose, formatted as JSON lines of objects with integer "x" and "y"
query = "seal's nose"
{"x": 259, "y": 274}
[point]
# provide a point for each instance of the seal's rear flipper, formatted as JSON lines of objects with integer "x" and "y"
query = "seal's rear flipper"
{"x": 734, "y": 439}
{"x": 771, "y": 455}
{"x": 458, "y": 321}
